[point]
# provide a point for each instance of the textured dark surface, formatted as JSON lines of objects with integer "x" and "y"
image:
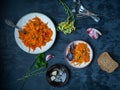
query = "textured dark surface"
{"x": 14, "y": 62}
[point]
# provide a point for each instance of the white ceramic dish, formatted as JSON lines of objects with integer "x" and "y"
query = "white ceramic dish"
{"x": 23, "y": 21}
{"x": 82, "y": 65}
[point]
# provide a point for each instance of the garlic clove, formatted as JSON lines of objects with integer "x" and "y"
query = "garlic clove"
{"x": 93, "y": 33}
{"x": 49, "y": 57}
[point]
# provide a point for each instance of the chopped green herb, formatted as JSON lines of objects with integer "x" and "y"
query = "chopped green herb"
{"x": 67, "y": 26}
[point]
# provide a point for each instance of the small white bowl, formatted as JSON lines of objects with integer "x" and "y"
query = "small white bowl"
{"x": 82, "y": 65}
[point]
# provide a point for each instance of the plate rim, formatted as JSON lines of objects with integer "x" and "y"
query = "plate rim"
{"x": 19, "y": 42}
{"x": 67, "y": 61}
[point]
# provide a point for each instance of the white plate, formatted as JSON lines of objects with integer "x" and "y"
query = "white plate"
{"x": 82, "y": 65}
{"x": 23, "y": 21}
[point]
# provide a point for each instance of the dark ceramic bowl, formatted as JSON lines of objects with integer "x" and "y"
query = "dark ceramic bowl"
{"x": 57, "y": 67}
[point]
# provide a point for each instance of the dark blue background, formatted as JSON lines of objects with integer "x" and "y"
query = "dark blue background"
{"x": 14, "y": 62}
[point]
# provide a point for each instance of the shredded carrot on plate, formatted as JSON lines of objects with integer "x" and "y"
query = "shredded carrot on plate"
{"x": 81, "y": 54}
{"x": 37, "y": 33}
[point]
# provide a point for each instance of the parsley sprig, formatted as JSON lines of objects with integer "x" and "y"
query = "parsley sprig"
{"x": 39, "y": 65}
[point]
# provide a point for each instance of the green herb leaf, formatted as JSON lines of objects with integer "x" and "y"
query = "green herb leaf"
{"x": 40, "y": 61}
{"x": 37, "y": 65}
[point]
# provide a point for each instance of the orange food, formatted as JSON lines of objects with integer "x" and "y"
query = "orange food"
{"x": 81, "y": 54}
{"x": 37, "y": 33}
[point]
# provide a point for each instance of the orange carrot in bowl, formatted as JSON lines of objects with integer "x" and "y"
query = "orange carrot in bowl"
{"x": 37, "y": 33}
{"x": 81, "y": 54}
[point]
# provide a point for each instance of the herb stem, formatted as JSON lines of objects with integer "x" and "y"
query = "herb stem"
{"x": 30, "y": 74}
{"x": 24, "y": 79}
{"x": 67, "y": 9}
{"x": 30, "y": 68}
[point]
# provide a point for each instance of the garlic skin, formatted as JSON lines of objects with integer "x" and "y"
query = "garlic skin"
{"x": 49, "y": 57}
{"x": 93, "y": 33}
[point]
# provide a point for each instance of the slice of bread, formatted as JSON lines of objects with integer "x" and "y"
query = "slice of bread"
{"x": 106, "y": 63}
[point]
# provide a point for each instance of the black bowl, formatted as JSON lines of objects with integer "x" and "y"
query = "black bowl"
{"x": 58, "y": 67}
